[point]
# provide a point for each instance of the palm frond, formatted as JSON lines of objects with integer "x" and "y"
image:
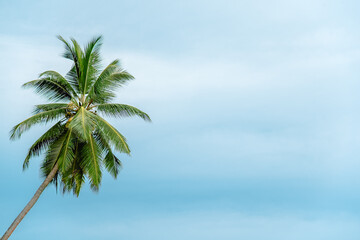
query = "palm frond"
{"x": 43, "y": 142}
{"x": 112, "y": 77}
{"x": 91, "y": 62}
{"x": 121, "y": 110}
{"x": 69, "y": 52}
{"x": 78, "y": 62}
{"x": 96, "y": 95}
{"x": 74, "y": 177}
{"x": 111, "y": 162}
{"x": 91, "y": 162}
{"x": 42, "y": 117}
{"x": 111, "y": 135}
{"x": 83, "y": 123}
{"x": 50, "y": 106}
{"x": 57, "y": 77}
{"x": 55, "y": 150}
{"x": 49, "y": 88}
{"x": 67, "y": 153}
{"x": 114, "y": 81}
{"x": 73, "y": 79}
{"x": 74, "y": 74}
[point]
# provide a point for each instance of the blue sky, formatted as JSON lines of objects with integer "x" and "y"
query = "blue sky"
{"x": 255, "y": 110}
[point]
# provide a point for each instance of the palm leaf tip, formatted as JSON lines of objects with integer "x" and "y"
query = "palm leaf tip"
{"x": 112, "y": 164}
{"x": 26, "y": 163}
{"x": 51, "y": 88}
{"x": 42, "y": 117}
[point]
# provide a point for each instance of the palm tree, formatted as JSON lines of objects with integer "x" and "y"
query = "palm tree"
{"x": 82, "y": 142}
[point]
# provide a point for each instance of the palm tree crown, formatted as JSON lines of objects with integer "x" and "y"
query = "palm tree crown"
{"x": 82, "y": 142}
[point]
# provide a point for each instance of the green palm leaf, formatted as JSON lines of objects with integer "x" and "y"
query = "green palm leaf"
{"x": 72, "y": 78}
{"x": 90, "y": 63}
{"x": 74, "y": 74}
{"x": 74, "y": 177}
{"x": 55, "y": 151}
{"x": 49, "y": 88}
{"x": 112, "y": 77}
{"x": 48, "y": 107}
{"x": 67, "y": 153}
{"x": 78, "y": 62}
{"x": 83, "y": 123}
{"x": 91, "y": 160}
{"x": 59, "y": 79}
{"x": 111, "y": 162}
{"x": 121, "y": 110}
{"x": 111, "y": 135}
{"x": 43, "y": 142}
{"x": 42, "y": 117}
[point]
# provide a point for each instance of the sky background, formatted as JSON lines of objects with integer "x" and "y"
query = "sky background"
{"x": 255, "y": 108}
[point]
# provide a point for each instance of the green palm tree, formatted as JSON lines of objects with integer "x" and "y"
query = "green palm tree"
{"x": 82, "y": 142}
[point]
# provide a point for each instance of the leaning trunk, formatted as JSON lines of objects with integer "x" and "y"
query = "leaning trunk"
{"x": 31, "y": 203}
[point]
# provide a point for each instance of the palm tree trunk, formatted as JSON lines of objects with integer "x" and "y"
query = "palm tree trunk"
{"x": 31, "y": 203}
